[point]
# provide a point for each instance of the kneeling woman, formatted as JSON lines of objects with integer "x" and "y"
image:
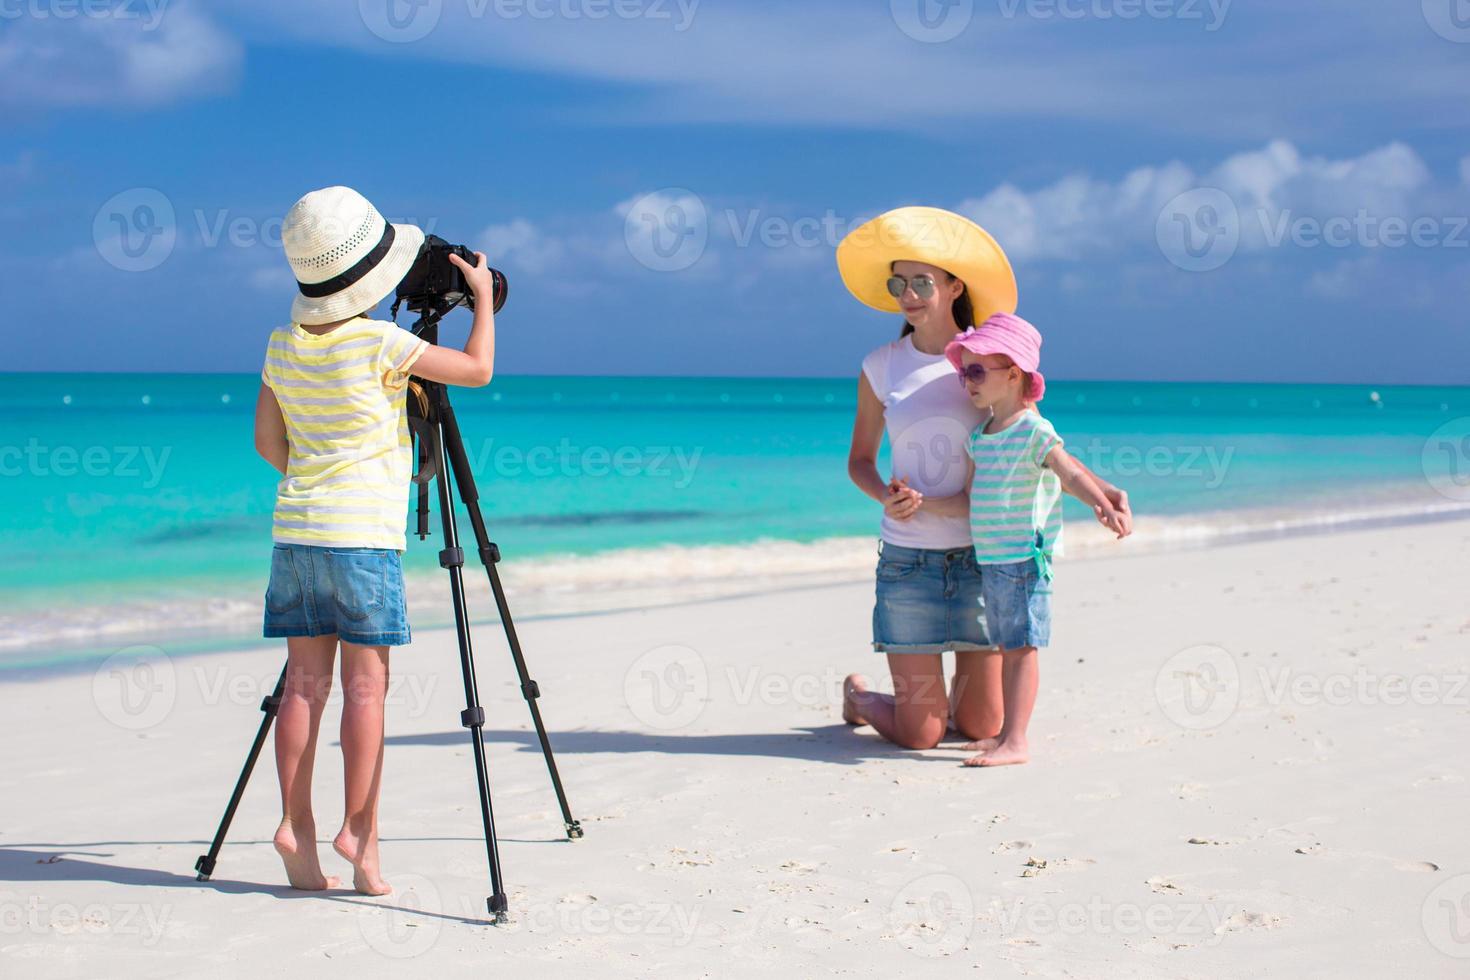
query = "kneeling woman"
{"x": 944, "y": 274}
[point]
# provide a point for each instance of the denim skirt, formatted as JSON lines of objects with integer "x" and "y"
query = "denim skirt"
{"x": 928, "y": 601}
{"x": 356, "y": 593}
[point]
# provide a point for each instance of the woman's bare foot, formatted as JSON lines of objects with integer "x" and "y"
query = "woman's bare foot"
{"x": 853, "y": 684}
{"x": 362, "y": 851}
{"x": 1011, "y": 753}
{"x": 297, "y": 848}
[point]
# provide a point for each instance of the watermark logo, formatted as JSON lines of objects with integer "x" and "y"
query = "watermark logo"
{"x": 1450, "y": 19}
{"x": 410, "y": 920}
{"x": 933, "y": 915}
{"x": 667, "y": 230}
{"x": 932, "y": 21}
{"x": 932, "y": 453}
{"x": 401, "y": 21}
{"x": 1199, "y": 231}
{"x": 135, "y": 230}
{"x": 136, "y": 687}
{"x": 1446, "y": 460}
{"x": 1199, "y": 688}
{"x": 1446, "y": 917}
{"x": 667, "y": 687}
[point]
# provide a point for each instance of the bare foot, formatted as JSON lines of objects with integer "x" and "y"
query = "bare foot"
{"x": 853, "y": 684}
{"x": 981, "y": 745}
{"x": 1004, "y": 754}
{"x": 298, "y": 852}
{"x": 362, "y": 851}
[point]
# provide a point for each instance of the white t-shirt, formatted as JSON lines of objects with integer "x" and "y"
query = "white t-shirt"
{"x": 928, "y": 418}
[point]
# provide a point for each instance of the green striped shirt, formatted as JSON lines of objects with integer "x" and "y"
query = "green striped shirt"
{"x": 1015, "y": 501}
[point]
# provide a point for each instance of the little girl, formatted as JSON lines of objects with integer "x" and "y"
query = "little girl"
{"x": 330, "y": 417}
{"x": 1020, "y": 470}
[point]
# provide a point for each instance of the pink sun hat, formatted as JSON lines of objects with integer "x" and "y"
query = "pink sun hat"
{"x": 1008, "y": 334}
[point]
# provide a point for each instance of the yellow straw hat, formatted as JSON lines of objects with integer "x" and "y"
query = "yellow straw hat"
{"x": 934, "y": 236}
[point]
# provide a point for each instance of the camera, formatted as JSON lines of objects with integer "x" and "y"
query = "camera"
{"x": 435, "y": 285}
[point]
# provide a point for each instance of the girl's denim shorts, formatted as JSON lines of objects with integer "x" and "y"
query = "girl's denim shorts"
{"x": 928, "y": 601}
{"x": 1017, "y": 605}
{"x": 356, "y": 593}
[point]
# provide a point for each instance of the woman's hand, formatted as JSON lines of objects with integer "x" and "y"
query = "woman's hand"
{"x": 903, "y": 501}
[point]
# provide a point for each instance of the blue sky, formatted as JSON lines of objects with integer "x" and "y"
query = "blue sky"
{"x": 1316, "y": 154}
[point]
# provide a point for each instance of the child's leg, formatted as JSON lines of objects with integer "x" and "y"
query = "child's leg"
{"x": 308, "y": 682}
{"x": 364, "y": 686}
{"x": 1020, "y": 676}
{"x": 914, "y": 715}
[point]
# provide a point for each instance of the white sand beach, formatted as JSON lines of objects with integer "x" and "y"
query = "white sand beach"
{"x": 1248, "y": 761}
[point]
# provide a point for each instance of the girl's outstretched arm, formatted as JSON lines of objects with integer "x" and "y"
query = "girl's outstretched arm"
{"x": 270, "y": 429}
{"x": 1080, "y": 484}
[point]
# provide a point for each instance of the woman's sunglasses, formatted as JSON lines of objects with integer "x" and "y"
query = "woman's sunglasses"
{"x": 922, "y": 285}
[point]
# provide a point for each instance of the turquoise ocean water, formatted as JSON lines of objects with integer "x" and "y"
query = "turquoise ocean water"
{"x": 135, "y": 505}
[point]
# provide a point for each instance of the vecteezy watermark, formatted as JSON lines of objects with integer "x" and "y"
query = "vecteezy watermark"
{"x": 408, "y": 922}
{"x": 1446, "y": 917}
{"x": 667, "y": 230}
{"x": 1363, "y": 687}
{"x": 406, "y": 21}
{"x": 571, "y": 461}
{"x": 36, "y": 459}
{"x": 671, "y": 921}
{"x": 1194, "y": 922}
{"x": 1450, "y": 19}
{"x": 1203, "y": 229}
{"x": 1446, "y": 460}
{"x": 1208, "y": 464}
{"x": 136, "y": 687}
{"x": 138, "y": 229}
{"x": 932, "y": 21}
{"x": 1198, "y": 688}
{"x": 1210, "y": 13}
{"x": 667, "y": 687}
{"x": 141, "y": 920}
{"x": 933, "y": 915}
{"x": 1199, "y": 230}
{"x": 149, "y": 13}
{"x": 135, "y": 230}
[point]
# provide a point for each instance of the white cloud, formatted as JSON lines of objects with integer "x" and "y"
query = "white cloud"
{"x": 841, "y": 64}
{"x": 521, "y": 244}
{"x": 1079, "y": 216}
{"x": 51, "y": 61}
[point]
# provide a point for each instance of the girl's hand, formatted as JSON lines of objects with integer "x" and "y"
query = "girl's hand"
{"x": 902, "y": 501}
{"x": 1114, "y": 521}
{"x": 478, "y": 276}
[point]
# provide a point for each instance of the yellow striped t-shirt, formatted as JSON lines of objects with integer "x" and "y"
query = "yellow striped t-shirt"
{"x": 342, "y": 395}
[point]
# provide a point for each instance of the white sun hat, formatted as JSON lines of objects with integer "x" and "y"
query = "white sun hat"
{"x": 344, "y": 255}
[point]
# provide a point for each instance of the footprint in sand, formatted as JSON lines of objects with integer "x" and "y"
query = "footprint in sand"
{"x": 1098, "y": 795}
{"x": 1162, "y": 885}
{"x": 1011, "y": 845}
{"x": 1399, "y": 864}
{"x": 1244, "y": 920}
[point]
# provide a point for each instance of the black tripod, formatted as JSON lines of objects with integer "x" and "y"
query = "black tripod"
{"x": 437, "y": 433}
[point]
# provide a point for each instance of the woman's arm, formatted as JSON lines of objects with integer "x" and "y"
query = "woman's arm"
{"x": 474, "y": 366}
{"x": 898, "y": 501}
{"x": 270, "y": 429}
{"x": 1080, "y": 483}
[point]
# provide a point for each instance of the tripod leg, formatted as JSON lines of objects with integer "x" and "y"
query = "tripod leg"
{"x": 489, "y": 556}
{"x": 473, "y": 717}
{"x": 205, "y": 864}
